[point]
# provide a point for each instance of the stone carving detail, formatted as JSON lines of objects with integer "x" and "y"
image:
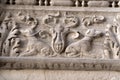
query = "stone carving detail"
{"x": 10, "y": 41}
{"x": 59, "y": 31}
{"x": 87, "y": 21}
{"x": 112, "y": 42}
{"x": 83, "y": 46}
{"x": 34, "y": 46}
{"x": 23, "y": 35}
{"x": 60, "y": 34}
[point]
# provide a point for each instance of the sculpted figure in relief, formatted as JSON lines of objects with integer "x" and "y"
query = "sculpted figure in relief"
{"x": 83, "y": 46}
{"x": 35, "y": 46}
{"x": 112, "y": 40}
{"x": 59, "y": 30}
{"x": 10, "y": 42}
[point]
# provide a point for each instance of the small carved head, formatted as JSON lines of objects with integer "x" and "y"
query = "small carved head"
{"x": 93, "y": 33}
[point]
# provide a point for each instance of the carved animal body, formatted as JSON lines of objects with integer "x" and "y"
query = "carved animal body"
{"x": 35, "y": 46}
{"x": 82, "y": 46}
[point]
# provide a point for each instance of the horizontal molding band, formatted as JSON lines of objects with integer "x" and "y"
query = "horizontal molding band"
{"x": 59, "y": 63}
{"x": 58, "y": 8}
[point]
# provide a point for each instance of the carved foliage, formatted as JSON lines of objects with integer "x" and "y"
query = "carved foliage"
{"x": 87, "y": 21}
{"x": 59, "y": 30}
{"x": 10, "y": 42}
{"x": 112, "y": 41}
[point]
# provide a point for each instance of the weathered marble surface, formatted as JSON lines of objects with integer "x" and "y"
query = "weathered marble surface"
{"x": 58, "y": 75}
{"x": 44, "y": 29}
{"x": 59, "y": 39}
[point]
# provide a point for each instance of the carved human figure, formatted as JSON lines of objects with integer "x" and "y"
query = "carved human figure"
{"x": 35, "y": 46}
{"x": 83, "y": 46}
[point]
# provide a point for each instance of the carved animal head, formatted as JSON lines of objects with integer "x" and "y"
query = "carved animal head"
{"x": 32, "y": 23}
{"x": 93, "y": 33}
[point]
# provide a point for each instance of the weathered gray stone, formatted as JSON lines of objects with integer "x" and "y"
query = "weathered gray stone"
{"x": 98, "y": 4}
{"x": 58, "y": 75}
{"x": 59, "y": 39}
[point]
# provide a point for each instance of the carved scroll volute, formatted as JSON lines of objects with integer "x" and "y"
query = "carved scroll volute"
{"x": 87, "y": 21}
{"x": 59, "y": 30}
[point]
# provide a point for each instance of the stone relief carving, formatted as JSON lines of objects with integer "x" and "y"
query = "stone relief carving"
{"x": 10, "y": 42}
{"x": 83, "y": 46}
{"x": 35, "y": 46}
{"x": 73, "y": 3}
{"x": 59, "y": 31}
{"x": 112, "y": 42}
{"x": 57, "y": 34}
{"x": 87, "y": 21}
{"x": 28, "y": 35}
